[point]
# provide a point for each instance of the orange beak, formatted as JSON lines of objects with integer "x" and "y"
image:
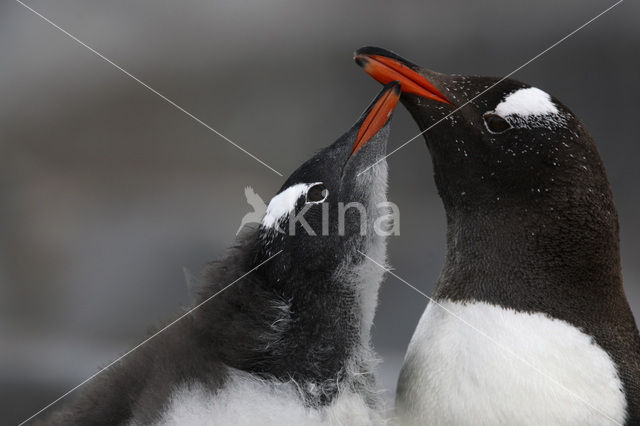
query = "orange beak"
{"x": 385, "y": 66}
{"x": 378, "y": 114}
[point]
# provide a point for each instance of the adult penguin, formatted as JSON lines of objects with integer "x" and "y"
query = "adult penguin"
{"x": 529, "y": 323}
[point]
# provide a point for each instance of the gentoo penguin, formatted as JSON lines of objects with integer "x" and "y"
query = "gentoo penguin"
{"x": 289, "y": 343}
{"x": 530, "y": 324}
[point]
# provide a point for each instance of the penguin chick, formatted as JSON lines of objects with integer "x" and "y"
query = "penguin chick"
{"x": 289, "y": 342}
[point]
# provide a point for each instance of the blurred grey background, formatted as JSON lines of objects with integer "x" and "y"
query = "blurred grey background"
{"x": 107, "y": 191}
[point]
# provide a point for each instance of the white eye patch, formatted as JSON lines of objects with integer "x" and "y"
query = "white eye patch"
{"x": 530, "y": 108}
{"x": 283, "y": 203}
{"x": 526, "y": 102}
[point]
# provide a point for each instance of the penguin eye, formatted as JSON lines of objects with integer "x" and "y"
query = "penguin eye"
{"x": 495, "y": 123}
{"x": 317, "y": 193}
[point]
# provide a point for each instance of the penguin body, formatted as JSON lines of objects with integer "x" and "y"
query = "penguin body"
{"x": 529, "y": 323}
{"x": 501, "y": 374}
{"x": 247, "y": 400}
{"x": 289, "y": 342}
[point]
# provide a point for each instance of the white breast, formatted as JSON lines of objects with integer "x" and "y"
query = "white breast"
{"x": 454, "y": 375}
{"x": 247, "y": 401}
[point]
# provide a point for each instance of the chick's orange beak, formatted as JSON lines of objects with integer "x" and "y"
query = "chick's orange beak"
{"x": 378, "y": 115}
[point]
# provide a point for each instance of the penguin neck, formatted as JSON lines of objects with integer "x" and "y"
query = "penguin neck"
{"x": 318, "y": 344}
{"x": 327, "y": 338}
{"x": 529, "y": 255}
{"x": 306, "y": 330}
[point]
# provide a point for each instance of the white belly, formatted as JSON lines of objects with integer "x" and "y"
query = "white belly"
{"x": 245, "y": 400}
{"x": 455, "y": 375}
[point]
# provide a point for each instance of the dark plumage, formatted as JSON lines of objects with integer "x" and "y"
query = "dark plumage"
{"x": 301, "y": 319}
{"x": 531, "y": 222}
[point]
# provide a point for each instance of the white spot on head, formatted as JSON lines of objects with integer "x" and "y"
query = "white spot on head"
{"x": 283, "y": 203}
{"x": 526, "y": 102}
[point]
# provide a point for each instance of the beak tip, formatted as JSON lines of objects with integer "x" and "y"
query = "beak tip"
{"x": 373, "y": 50}
{"x": 360, "y": 51}
{"x": 386, "y": 67}
{"x": 360, "y": 60}
{"x": 396, "y": 87}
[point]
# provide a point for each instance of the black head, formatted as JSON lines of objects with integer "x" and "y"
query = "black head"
{"x": 510, "y": 145}
{"x": 326, "y": 210}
